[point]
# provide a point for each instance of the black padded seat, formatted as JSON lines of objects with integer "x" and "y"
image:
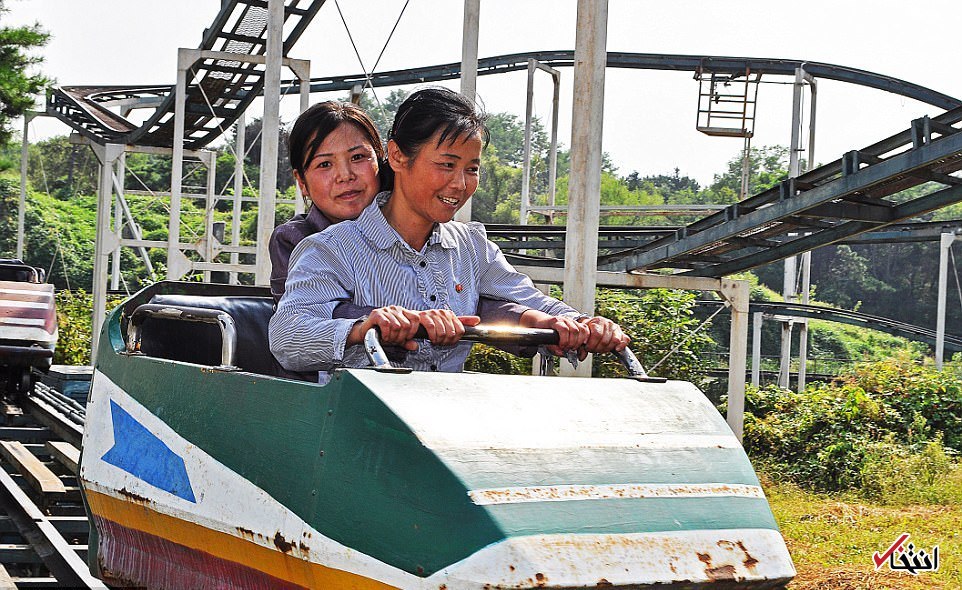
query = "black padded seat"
{"x": 201, "y": 343}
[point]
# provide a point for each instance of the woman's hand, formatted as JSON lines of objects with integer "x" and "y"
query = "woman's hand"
{"x": 603, "y": 336}
{"x": 398, "y": 325}
{"x": 572, "y": 334}
{"x": 443, "y": 327}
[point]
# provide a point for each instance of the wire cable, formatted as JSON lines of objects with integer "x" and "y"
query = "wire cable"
{"x": 690, "y": 336}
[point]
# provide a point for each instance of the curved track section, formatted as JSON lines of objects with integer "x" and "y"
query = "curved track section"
{"x": 734, "y": 66}
{"x": 218, "y": 90}
{"x": 853, "y": 318}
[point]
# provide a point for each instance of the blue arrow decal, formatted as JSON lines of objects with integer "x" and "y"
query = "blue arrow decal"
{"x": 138, "y": 452}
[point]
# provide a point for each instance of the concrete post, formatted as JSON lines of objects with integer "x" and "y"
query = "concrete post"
{"x": 584, "y": 186}
{"x": 737, "y": 294}
{"x": 270, "y": 135}
{"x": 469, "y": 70}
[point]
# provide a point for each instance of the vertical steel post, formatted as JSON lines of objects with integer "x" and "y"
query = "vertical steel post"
{"x": 807, "y": 256}
{"x": 553, "y": 150}
{"x": 270, "y": 135}
{"x": 944, "y": 244}
{"x": 737, "y": 294}
{"x": 584, "y": 187}
{"x": 301, "y": 69}
{"x": 103, "y": 242}
{"x": 177, "y": 165}
{"x": 757, "y": 319}
{"x": 789, "y": 289}
{"x": 24, "y": 158}
{"x": 469, "y": 70}
{"x": 118, "y": 225}
{"x": 240, "y": 151}
{"x": 210, "y": 201}
{"x": 526, "y": 158}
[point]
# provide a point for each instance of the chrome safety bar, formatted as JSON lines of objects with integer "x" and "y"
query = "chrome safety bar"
{"x": 185, "y": 313}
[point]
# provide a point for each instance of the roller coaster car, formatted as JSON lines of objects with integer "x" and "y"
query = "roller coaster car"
{"x": 28, "y": 324}
{"x": 201, "y": 469}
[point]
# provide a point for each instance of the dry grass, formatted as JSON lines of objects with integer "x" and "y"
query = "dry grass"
{"x": 832, "y": 540}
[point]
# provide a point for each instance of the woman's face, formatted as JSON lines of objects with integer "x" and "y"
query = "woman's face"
{"x": 440, "y": 179}
{"x": 341, "y": 176}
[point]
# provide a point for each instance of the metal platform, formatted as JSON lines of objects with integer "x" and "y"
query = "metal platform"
{"x": 219, "y": 90}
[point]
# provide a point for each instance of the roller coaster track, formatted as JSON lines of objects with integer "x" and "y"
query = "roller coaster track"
{"x": 838, "y": 202}
{"x": 733, "y": 66}
{"x": 614, "y": 240}
{"x": 218, "y": 89}
{"x": 853, "y": 318}
{"x": 856, "y": 194}
{"x": 43, "y": 526}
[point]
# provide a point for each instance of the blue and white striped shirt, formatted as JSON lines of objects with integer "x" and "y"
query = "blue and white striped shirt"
{"x": 366, "y": 262}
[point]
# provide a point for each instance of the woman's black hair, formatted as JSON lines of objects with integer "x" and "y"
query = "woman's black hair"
{"x": 318, "y": 121}
{"x": 434, "y": 109}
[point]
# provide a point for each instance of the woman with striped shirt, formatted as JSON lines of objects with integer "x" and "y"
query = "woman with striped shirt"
{"x": 405, "y": 257}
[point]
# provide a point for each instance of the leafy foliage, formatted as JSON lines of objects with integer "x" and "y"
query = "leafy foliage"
{"x": 17, "y": 86}
{"x": 861, "y": 431}
{"x": 74, "y": 315}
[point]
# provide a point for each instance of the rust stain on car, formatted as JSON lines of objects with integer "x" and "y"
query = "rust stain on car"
{"x": 281, "y": 543}
{"x": 725, "y": 572}
{"x": 132, "y": 496}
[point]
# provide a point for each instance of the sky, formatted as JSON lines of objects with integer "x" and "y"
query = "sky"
{"x": 649, "y": 116}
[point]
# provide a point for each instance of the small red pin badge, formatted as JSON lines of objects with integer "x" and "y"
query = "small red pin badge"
{"x": 458, "y": 287}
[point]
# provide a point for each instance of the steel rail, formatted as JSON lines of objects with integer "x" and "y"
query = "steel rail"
{"x": 55, "y": 535}
{"x": 733, "y": 66}
{"x": 852, "y": 318}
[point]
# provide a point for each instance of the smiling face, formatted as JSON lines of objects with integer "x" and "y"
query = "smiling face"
{"x": 430, "y": 187}
{"x": 341, "y": 177}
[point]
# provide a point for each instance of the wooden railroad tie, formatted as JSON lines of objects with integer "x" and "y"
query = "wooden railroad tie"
{"x": 33, "y": 470}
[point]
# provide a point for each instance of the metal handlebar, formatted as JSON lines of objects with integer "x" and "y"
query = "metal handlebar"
{"x": 184, "y": 313}
{"x": 505, "y": 335}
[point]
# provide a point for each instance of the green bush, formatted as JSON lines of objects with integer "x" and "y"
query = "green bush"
{"x": 864, "y": 431}
{"x": 74, "y": 314}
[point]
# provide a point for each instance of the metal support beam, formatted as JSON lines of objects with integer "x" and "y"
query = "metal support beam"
{"x": 584, "y": 186}
{"x": 806, "y": 259}
{"x": 533, "y": 66}
{"x": 174, "y": 255}
{"x": 301, "y": 69}
{"x": 240, "y": 153}
{"x": 24, "y": 157}
{"x": 946, "y": 242}
{"x": 270, "y": 135}
{"x": 469, "y": 71}
{"x": 757, "y": 319}
{"x": 104, "y": 241}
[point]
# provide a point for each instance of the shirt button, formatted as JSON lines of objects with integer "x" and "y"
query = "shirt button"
{"x": 423, "y": 264}
{"x": 434, "y": 298}
{"x": 434, "y": 367}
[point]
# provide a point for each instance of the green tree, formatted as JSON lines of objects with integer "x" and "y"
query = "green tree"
{"x": 17, "y": 86}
